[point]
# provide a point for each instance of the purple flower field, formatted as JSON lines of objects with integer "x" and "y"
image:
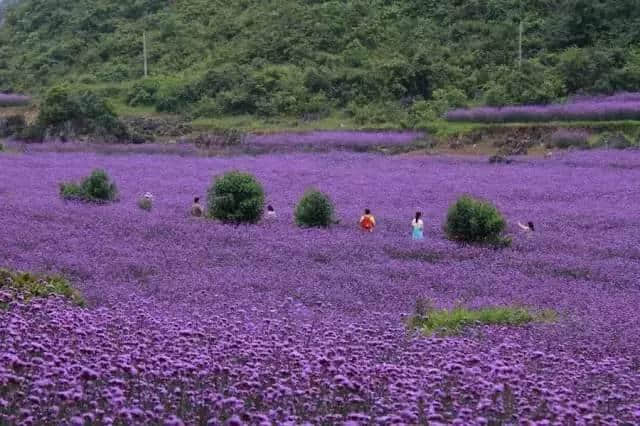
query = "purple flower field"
{"x": 624, "y": 106}
{"x": 337, "y": 138}
{"x": 11, "y": 99}
{"x": 193, "y": 322}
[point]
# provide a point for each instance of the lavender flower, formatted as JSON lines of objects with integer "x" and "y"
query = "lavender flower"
{"x": 12, "y": 99}
{"x": 192, "y": 322}
{"x": 620, "y": 107}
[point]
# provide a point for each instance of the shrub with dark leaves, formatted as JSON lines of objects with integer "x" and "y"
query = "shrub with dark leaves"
{"x": 474, "y": 221}
{"x": 314, "y": 209}
{"x": 235, "y": 197}
{"x": 97, "y": 187}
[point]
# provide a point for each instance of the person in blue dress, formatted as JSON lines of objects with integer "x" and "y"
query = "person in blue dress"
{"x": 417, "y": 226}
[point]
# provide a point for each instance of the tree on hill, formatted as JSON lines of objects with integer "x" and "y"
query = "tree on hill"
{"x": 306, "y": 58}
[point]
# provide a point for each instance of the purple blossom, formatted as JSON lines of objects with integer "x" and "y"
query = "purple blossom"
{"x": 619, "y": 107}
{"x": 194, "y": 322}
{"x": 12, "y": 99}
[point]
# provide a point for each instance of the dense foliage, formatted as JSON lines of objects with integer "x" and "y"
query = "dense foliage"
{"x": 235, "y": 197}
{"x": 66, "y": 113}
{"x": 474, "y": 221}
{"x": 315, "y": 209}
{"x": 97, "y": 187}
{"x": 405, "y": 61}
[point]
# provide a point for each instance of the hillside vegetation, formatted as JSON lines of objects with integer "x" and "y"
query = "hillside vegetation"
{"x": 374, "y": 60}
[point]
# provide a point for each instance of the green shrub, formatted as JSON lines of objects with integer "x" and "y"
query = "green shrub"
{"x": 235, "y": 197}
{"x": 474, "y": 221}
{"x": 97, "y": 187}
{"x": 143, "y": 92}
{"x": 314, "y": 209}
{"x": 67, "y": 113}
{"x": 145, "y": 203}
{"x": 29, "y": 285}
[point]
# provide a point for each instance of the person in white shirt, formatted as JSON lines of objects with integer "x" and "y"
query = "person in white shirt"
{"x": 271, "y": 213}
{"x": 418, "y": 227}
{"x": 528, "y": 228}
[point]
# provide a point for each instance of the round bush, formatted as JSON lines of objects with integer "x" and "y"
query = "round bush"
{"x": 98, "y": 187}
{"x": 314, "y": 209}
{"x": 474, "y": 221}
{"x": 235, "y": 197}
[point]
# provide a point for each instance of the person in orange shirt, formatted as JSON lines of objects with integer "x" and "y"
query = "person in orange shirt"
{"x": 367, "y": 221}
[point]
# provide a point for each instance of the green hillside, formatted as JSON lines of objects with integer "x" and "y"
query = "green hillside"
{"x": 373, "y": 60}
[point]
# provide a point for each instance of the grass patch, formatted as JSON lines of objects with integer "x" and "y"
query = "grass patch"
{"x": 30, "y": 286}
{"x": 449, "y": 322}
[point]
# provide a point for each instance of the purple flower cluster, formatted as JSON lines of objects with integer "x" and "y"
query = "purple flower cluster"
{"x": 337, "y": 138}
{"x": 194, "y": 322}
{"x": 618, "y": 107}
{"x": 10, "y": 99}
{"x": 618, "y": 97}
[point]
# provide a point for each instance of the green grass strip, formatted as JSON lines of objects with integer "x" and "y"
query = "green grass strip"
{"x": 447, "y": 322}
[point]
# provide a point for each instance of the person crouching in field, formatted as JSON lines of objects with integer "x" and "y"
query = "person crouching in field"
{"x": 196, "y": 208}
{"x": 271, "y": 213}
{"x": 528, "y": 229}
{"x": 417, "y": 226}
{"x": 367, "y": 221}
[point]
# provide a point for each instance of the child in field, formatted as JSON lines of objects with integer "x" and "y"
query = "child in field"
{"x": 196, "y": 208}
{"x": 417, "y": 226}
{"x": 271, "y": 213}
{"x": 367, "y": 221}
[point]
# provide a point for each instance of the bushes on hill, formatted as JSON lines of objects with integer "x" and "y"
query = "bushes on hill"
{"x": 315, "y": 209}
{"x": 235, "y": 197}
{"x": 66, "y": 114}
{"x": 97, "y": 187}
{"x": 474, "y": 221}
